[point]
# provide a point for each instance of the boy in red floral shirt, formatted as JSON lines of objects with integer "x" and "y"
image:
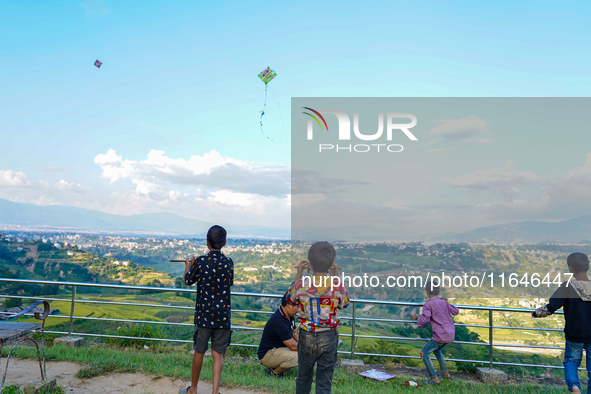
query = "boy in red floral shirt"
{"x": 319, "y": 303}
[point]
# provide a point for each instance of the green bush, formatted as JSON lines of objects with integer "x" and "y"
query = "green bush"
{"x": 242, "y": 351}
{"x": 136, "y": 330}
{"x": 12, "y": 302}
{"x": 44, "y": 390}
{"x": 467, "y": 367}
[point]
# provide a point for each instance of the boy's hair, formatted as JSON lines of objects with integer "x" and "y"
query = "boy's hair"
{"x": 579, "y": 262}
{"x": 432, "y": 290}
{"x": 321, "y": 256}
{"x": 216, "y": 236}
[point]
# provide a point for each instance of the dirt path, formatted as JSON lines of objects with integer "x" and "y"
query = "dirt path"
{"x": 32, "y": 253}
{"x": 22, "y": 371}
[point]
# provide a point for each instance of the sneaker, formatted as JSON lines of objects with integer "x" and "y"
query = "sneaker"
{"x": 269, "y": 371}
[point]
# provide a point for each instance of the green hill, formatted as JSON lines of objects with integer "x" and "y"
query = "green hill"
{"x": 44, "y": 261}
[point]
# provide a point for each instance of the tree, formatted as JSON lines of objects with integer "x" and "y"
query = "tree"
{"x": 12, "y": 302}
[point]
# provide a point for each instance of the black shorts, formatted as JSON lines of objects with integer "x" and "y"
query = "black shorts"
{"x": 220, "y": 339}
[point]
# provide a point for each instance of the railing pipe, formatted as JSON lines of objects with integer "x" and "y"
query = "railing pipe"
{"x": 353, "y": 318}
{"x": 353, "y": 322}
{"x": 490, "y": 339}
{"x": 72, "y": 311}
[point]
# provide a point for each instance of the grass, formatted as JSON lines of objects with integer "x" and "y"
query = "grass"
{"x": 176, "y": 363}
{"x": 43, "y": 390}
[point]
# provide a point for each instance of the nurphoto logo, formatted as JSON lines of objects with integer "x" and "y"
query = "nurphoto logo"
{"x": 391, "y": 124}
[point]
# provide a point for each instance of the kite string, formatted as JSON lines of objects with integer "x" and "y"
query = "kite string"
{"x": 282, "y": 123}
{"x": 263, "y": 113}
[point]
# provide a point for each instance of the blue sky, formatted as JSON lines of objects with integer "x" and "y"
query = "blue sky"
{"x": 179, "y": 79}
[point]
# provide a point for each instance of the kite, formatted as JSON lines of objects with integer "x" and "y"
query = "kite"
{"x": 377, "y": 375}
{"x": 266, "y": 76}
{"x": 98, "y": 64}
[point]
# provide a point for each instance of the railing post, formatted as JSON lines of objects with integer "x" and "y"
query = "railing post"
{"x": 353, "y": 330}
{"x": 490, "y": 339}
{"x": 72, "y": 311}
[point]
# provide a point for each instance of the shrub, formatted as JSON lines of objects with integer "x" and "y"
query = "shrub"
{"x": 136, "y": 330}
{"x": 242, "y": 351}
{"x": 12, "y": 302}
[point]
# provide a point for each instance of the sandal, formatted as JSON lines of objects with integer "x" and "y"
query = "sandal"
{"x": 430, "y": 382}
{"x": 184, "y": 390}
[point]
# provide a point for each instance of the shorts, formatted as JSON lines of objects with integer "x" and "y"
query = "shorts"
{"x": 220, "y": 339}
{"x": 280, "y": 357}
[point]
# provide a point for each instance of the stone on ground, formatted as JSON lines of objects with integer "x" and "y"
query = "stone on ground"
{"x": 487, "y": 375}
{"x": 69, "y": 341}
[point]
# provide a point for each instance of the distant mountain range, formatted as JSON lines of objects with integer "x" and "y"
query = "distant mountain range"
{"x": 79, "y": 219}
{"x": 577, "y": 230}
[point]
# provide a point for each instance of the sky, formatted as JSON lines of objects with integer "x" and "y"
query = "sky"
{"x": 466, "y": 163}
{"x": 170, "y": 122}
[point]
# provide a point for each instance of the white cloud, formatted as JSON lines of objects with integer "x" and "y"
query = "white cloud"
{"x": 228, "y": 197}
{"x": 174, "y": 195}
{"x": 523, "y": 194}
{"x": 584, "y": 170}
{"x": 113, "y": 166}
{"x": 460, "y": 129}
{"x": 145, "y": 187}
{"x": 305, "y": 200}
{"x": 203, "y": 187}
{"x": 64, "y": 185}
{"x": 9, "y": 178}
{"x": 211, "y": 170}
{"x": 505, "y": 180}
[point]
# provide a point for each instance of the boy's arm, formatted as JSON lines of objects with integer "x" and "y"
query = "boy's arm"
{"x": 344, "y": 300}
{"x": 231, "y": 272}
{"x": 291, "y": 294}
{"x": 556, "y": 302}
{"x": 453, "y": 309}
{"x": 302, "y": 266}
{"x": 191, "y": 274}
{"x": 425, "y": 318}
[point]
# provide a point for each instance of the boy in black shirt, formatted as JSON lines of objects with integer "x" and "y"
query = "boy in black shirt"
{"x": 214, "y": 274}
{"x": 574, "y": 297}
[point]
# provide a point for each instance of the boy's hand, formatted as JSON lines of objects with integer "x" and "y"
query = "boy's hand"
{"x": 334, "y": 269}
{"x": 189, "y": 262}
{"x": 300, "y": 267}
{"x": 414, "y": 316}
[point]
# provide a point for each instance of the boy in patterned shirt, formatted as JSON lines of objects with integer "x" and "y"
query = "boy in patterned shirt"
{"x": 319, "y": 303}
{"x": 214, "y": 274}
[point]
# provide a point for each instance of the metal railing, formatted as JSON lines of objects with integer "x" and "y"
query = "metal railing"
{"x": 353, "y": 318}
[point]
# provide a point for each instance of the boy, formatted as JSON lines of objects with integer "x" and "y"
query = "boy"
{"x": 214, "y": 274}
{"x": 437, "y": 312}
{"x": 319, "y": 318}
{"x": 575, "y": 299}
